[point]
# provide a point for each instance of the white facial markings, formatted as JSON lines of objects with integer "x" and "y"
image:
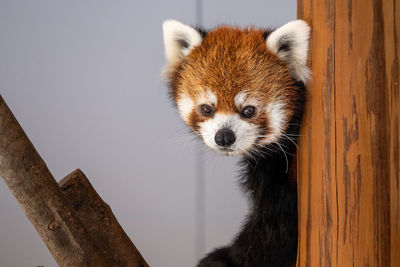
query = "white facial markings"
{"x": 277, "y": 120}
{"x": 239, "y": 99}
{"x": 242, "y": 99}
{"x": 207, "y": 97}
{"x": 212, "y": 97}
{"x": 246, "y": 133}
{"x": 185, "y": 106}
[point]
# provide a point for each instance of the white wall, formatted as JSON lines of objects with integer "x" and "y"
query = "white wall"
{"x": 82, "y": 78}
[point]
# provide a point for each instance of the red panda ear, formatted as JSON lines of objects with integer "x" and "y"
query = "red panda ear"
{"x": 290, "y": 43}
{"x": 179, "y": 39}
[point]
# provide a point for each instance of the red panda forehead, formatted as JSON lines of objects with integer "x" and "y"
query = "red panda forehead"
{"x": 233, "y": 59}
{"x": 229, "y": 61}
{"x": 232, "y": 38}
{"x": 232, "y": 44}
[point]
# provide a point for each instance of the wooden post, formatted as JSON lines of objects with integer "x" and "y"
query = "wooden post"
{"x": 349, "y": 158}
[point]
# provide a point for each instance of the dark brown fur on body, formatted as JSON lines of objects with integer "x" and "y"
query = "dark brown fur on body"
{"x": 268, "y": 237}
{"x": 228, "y": 61}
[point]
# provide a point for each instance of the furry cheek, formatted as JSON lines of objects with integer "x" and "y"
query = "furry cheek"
{"x": 185, "y": 106}
{"x": 277, "y": 121}
{"x": 246, "y": 133}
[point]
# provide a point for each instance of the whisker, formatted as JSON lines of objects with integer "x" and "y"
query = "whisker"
{"x": 295, "y": 134}
{"x": 291, "y": 140}
{"x": 287, "y": 162}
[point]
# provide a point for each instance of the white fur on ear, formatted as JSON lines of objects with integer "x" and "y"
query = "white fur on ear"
{"x": 290, "y": 43}
{"x": 179, "y": 39}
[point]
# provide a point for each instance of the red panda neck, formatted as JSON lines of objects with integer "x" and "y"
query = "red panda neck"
{"x": 272, "y": 221}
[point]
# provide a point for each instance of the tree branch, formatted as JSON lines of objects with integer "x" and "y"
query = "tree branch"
{"x": 71, "y": 241}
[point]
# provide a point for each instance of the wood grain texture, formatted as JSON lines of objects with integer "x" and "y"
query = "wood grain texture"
{"x": 348, "y": 163}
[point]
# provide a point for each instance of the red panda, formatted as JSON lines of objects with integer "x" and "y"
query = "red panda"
{"x": 243, "y": 92}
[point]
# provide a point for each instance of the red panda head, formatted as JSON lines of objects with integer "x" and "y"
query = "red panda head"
{"x": 237, "y": 88}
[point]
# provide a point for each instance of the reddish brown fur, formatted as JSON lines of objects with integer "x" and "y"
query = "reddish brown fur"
{"x": 228, "y": 61}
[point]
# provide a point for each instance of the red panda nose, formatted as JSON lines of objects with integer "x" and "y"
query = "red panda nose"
{"x": 224, "y": 137}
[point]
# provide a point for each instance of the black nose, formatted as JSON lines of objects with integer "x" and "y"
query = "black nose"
{"x": 224, "y": 137}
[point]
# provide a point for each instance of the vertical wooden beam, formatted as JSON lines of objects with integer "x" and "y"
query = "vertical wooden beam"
{"x": 349, "y": 163}
{"x": 317, "y": 161}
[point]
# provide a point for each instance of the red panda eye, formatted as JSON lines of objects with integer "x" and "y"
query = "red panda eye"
{"x": 248, "y": 111}
{"x": 206, "y": 110}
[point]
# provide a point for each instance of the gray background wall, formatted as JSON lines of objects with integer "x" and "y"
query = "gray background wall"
{"x": 82, "y": 77}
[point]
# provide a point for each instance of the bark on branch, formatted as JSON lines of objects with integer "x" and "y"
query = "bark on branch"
{"x": 72, "y": 241}
{"x": 101, "y": 224}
